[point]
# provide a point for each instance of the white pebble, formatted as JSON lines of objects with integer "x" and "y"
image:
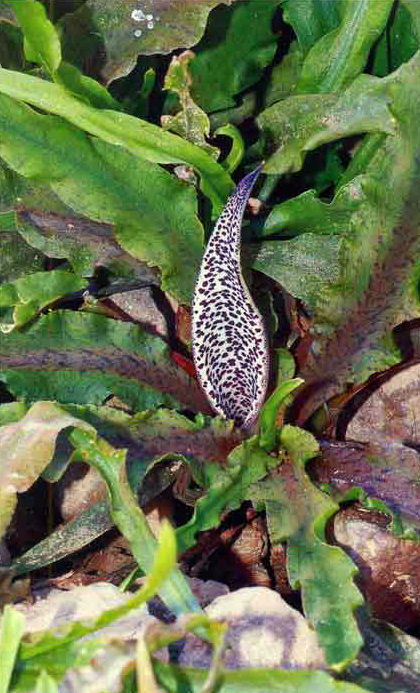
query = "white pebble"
{"x": 150, "y": 25}
{"x": 149, "y": 17}
{"x": 137, "y": 33}
{"x": 138, "y": 16}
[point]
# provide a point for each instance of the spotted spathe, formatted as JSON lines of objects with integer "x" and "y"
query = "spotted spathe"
{"x": 229, "y": 341}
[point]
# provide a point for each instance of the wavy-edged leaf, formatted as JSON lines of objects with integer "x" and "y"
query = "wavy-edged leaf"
{"x": 138, "y": 136}
{"x": 238, "y": 44}
{"x": 270, "y": 410}
{"x": 297, "y": 513}
{"x": 308, "y": 267}
{"x": 154, "y": 434}
{"x": 307, "y": 213}
{"x": 16, "y": 257}
{"x": 31, "y": 439}
{"x": 296, "y": 125}
{"x": 226, "y": 488}
{"x": 191, "y": 122}
{"x": 91, "y": 177}
{"x": 83, "y": 342}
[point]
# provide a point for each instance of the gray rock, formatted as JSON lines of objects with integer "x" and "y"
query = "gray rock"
{"x": 264, "y": 631}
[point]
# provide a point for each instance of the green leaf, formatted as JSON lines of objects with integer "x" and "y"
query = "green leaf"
{"x": 138, "y": 136}
{"x": 307, "y": 213}
{"x": 414, "y": 9}
{"x": 191, "y": 122}
{"x": 58, "y": 661}
{"x": 87, "y": 342}
{"x": 270, "y": 410}
{"x": 91, "y": 177}
{"x": 76, "y": 387}
{"x": 296, "y": 125}
{"x": 338, "y": 57}
{"x": 226, "y": 487}
{"x": 154, "y": 435}
{"x": 329, "y": 264}
{"x": 42, "y": 42}
{"x": 73, "y": 536}
{"x": 11, "y": 631}
{"x": 45, "y": 683}
{"x": 17, "y": 257}
{"x": 367, "y": 239}
{"x": 297, "y": 512}
{"x": 171, "y": 25}
{"x": 284, "y": 77}
{"x": 175, "y": 679}
{"x": 125, "y": 512}
{"x": 309, "y": 267}
{"x": 42, "y": 45}
{"x": 11, "y": 412}
{"x": 85, "y": 88}
{"x": 398, "y": 43}
{"x": 237, "y": 151}
{"x": 311, "y": 19}
{"x": 89, "y": 245}
{"x": 378, "y": 288}
{"x": 32, "y": 292}
{"x": 32, "y": 438}
{"x": 11, "y": 47}
{"x": 238, "y": 44}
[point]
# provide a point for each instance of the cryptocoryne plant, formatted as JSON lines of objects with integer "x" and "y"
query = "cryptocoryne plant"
{"x": 229, "y": 340}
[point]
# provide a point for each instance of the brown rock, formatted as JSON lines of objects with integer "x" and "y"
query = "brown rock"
{"x": 389, "y": 567}
{"x": 392, "y": 412}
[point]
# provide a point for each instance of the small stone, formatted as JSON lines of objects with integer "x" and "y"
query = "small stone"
{"x": 138, "y": 33}
{"x": 150, "y": 25}
{"x": 149, "y": 17}
{"x": 138, "y": 16}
